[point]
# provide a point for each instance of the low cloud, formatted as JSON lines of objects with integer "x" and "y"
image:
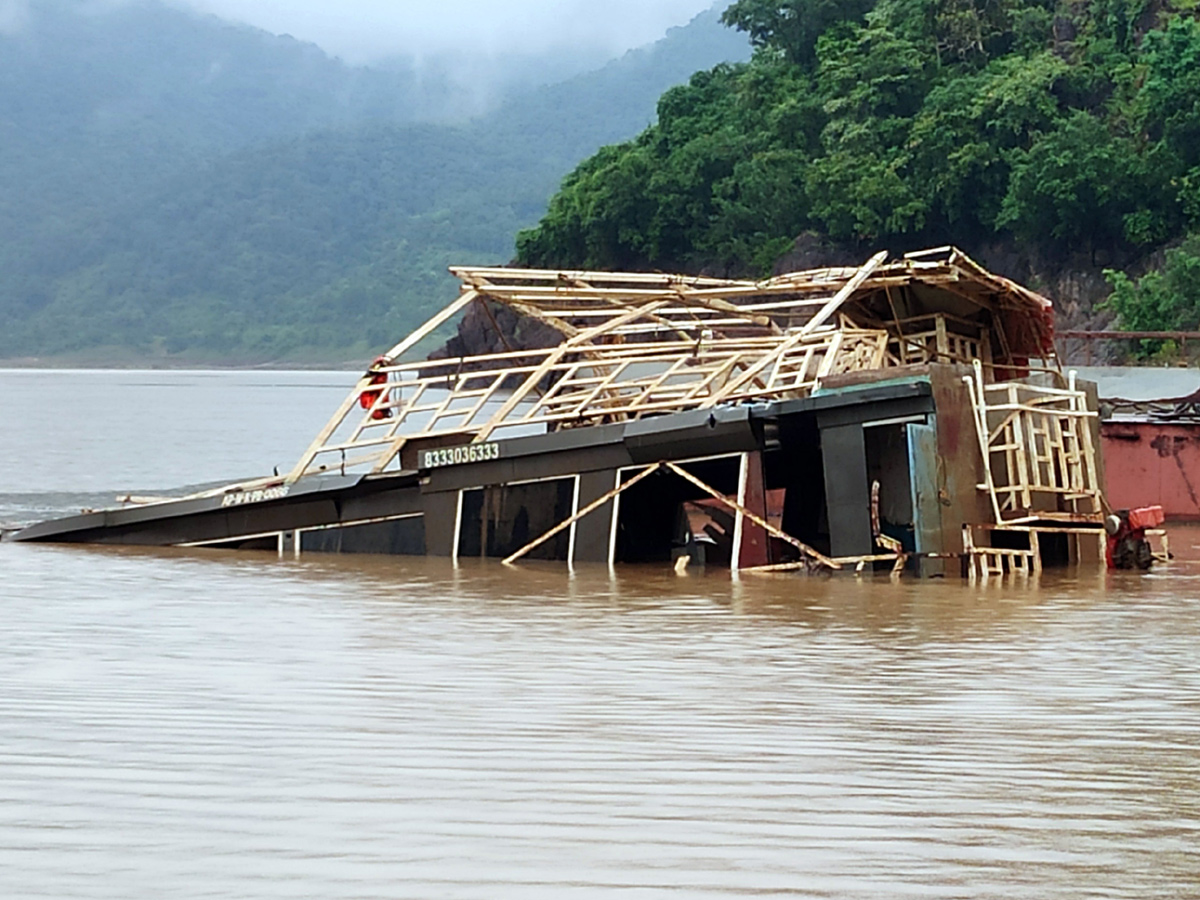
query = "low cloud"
{"x": 366, "y": 30}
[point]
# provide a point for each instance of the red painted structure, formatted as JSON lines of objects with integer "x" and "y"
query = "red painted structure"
{"x": 1148, "y": 462}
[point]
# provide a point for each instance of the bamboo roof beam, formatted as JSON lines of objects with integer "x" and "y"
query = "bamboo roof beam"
{"x": 558, "y": 324}
{"x": 438, "y": 319}
{"x": 826, "y": 311}
{"x": 487, "y": 274}
{"x": 547, "y": 365}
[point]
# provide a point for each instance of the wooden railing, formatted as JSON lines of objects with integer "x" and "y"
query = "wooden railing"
{"x": 476, "y": 399}
{"x": 1037, "y": 451}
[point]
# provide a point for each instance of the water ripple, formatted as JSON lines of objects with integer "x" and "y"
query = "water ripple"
{"x": 219, "y": 725}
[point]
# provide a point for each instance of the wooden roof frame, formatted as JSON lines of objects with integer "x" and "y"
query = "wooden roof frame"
{"x": 705, "y": 342}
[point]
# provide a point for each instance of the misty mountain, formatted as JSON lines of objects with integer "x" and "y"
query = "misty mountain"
{"x": 96, "y": 103}
{"x": 620, "y": 99}
{"x": 174, "y": 184}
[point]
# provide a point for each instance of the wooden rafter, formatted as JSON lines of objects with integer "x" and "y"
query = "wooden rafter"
{"x": 642, "y": 344}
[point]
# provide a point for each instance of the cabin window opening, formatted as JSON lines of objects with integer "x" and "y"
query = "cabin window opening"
{"x": 498, "y": 520}
{"x": 664, "y": 516}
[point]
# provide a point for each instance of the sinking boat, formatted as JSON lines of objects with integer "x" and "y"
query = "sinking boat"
{"x": 907, "y": 414}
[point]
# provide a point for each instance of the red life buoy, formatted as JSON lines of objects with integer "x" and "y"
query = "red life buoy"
{"x": 367, "y": 398}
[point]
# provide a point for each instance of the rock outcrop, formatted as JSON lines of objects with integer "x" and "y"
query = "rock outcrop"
{"x": 488, "y": 327}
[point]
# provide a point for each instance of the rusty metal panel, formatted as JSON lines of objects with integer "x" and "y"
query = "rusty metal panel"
{"x": 960, "y": 464}
{"x": 1153, "y": 463}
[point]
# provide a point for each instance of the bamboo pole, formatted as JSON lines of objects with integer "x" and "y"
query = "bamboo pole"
{"x": 318, "y": 443}
{"x": 441, "y": 318}
{"x": 844, "y": 294}
{"x": 363, "y": 383}
{"x": 979, "y": 408}
{"x": 485, "y": 273}
{"x": 574, "y": 344}
{"x": 807, "y": 329}
{"x": 757, "y": 520}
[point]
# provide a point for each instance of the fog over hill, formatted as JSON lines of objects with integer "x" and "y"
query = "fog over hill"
{"x": 371, "y": 30}
{"x": 177, "y": 185}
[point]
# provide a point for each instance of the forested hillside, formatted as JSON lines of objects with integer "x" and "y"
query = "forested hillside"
{"x": 172, "y": 186}
{"x": 1055, "y": 129}
{"x": 95, "y": 106}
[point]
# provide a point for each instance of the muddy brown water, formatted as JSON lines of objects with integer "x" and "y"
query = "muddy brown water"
{"x": 208, "y": 724}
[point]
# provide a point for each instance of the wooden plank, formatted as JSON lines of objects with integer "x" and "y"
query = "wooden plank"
{"x": 1089, "y": 451}
{"x": 567, "y": 275}
{"x": 568, "y": 522}
{"x": 439, "y": 319}
{"x": 563, "y": 328}
{"x": 753, "y": 517}
{"x": 851, "y": 561}
{"x": 943, "y": 341}
{"x": 572, "y": 345}
{"x": 327, "y": 432}
{"x": 1023, "y": 475}
{"x": 979, "y": 406}
{"x": 845, "y": 293}
{"x": 809, "y": 327}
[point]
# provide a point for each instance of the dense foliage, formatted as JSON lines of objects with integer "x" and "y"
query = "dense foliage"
{"x": 1164, "y": 300}
{"x": 1065, "y": 126}
{"x": 175, "y": 186}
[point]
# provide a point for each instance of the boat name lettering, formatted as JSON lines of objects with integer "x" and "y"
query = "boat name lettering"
{"x": 465, "y": 453}
{"x": 243, "y": 497}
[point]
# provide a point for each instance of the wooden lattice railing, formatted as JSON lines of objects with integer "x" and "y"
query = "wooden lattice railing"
{"x": 475, "y": 399}
{"x": 1039, "y": 457}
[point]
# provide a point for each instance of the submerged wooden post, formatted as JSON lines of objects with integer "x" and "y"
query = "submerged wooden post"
{"x": 751, "y": 547}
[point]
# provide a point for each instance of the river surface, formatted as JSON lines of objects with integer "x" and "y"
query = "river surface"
{"x": 208, "y": 724}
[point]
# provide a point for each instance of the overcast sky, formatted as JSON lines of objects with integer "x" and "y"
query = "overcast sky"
{"x": 362, "y": 30}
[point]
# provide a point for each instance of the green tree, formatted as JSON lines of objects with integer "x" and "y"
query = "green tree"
{"x": 968, "y": 129}
{"x": 1074, "y": 187}
{"x": 874, "y": 82}
{"x": 1167, "y": 110}
{"x": 913, "y": 121}
{"x": 792, "y": 27}
{"x": 1164, "y": 300}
